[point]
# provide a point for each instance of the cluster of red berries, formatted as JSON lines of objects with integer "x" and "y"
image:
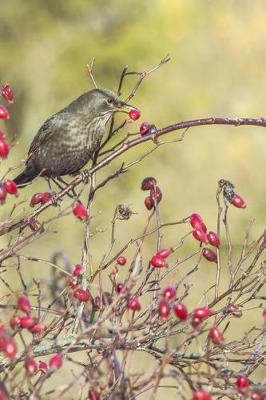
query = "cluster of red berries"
{"x": 7, "y": 187}
{"x": 31, "y": 365}
{"x": 151, "y": 201}
{"x": 26, "y": 321}
{"x": 165, "y": 305}
{"x": 230, "y": 195}
{"x": 7, "y": 93}
{"x": 201, "y": 234}
{"x": 74, "y": 281}
{"x": 80, "y": 211}
{"x": 158, "y": 260}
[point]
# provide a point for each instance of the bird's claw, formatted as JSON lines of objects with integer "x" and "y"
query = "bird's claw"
{"x": 55, "y": 200}
{"x": 85, "y": 176}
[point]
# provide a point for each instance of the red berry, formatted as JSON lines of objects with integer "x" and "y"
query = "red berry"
{"x": 180, "y": 310}
{"x": 24, "y": 304}
{"x": 209, "y": 255}
{"x": 169, "y": 292}
{"x": 7, "y": 93}
{"x": 134, "y": 304}
{"x": 56, "y": 361}
{"x": 238, "y": 202}
{"x": 121, "y": 260}
{"x": 72, "y": 282}
{"x": 213, "y": 239}
{"x": 37, "y": 328}
{"x": 121, "y": 288}
{"x": 257, "y": 396}
{"x": 77, "y": 270}
{"x": 201, "y": 395}
{"x": 200, "y": 235}
{"x": 202, "y": 312}
{"x": 242, "y": 382}
{"x": 36, "y": 199}
{"x": 197, "y": 222}
{"x": 82, "y": 294}
{"x": 26, "y": 321}
{"x": 30, "y": 365}
{"x": 15, "y": 322}
{"x": 158, "y": 261}
{"x": 144, "y": 128}
{"x": 4, "y": 114}
{"x": 216, "y": 335}
{"x": 93, "y": 395}
{"x": 164, "y": 252}
{"x": 164, "y": 309}
{"x": 196, "y": 322}
{"x": 148, "y": 183}
{"x": 149, "y": 203}
{"x": 134, "y": 114}
{"x": 10, "y": 347}
{"x": 80, "y": 211}
{"x": 4, "y": 149}
{"x": 156, "y": 195}
{"x": 33, "y": 224}
{"x": 43, "y": 366}
{"x": 97, "y": 303}
{"x": 11, "y": 187}
{"x": 2, "y": 194}
{"x": 46, "y": 196}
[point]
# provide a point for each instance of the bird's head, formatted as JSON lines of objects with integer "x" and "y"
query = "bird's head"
{"x": 103, "y": 103}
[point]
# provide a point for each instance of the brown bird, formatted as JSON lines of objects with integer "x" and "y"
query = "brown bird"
{"x": 67, "y": 140}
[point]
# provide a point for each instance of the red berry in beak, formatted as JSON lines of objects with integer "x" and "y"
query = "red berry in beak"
{"x": 180, "y": 310}
{"x": 11, "y": 187}
{"x": 238, "y": 202}
{"x": 164, "y": 309}
{"x": 144, "y": 128}
{"x": 158, "y": 261}
{"x": 7, "y": 93}
{"x": 209, "y": 255}
{"x": 134, "y": 114}
{"x": 148, "y": 183}
{"x": 213, "y": 239}
{"x": 200, "y": 235}
{"x": 197, "y": 223}
{"x": 80, "y": 211}
{"x": 4, "y": 114}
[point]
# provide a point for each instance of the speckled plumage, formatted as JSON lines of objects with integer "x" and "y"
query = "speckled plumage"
{"x": 68, "y": 139}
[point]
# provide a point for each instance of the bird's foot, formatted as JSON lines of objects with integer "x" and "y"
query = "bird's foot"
{"x": 153, "y": 130}
{"x": 85, "y": 176}
{"x": 55, "y": 200}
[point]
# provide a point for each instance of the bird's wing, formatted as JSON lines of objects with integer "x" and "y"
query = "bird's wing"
{"x": 49, "y": 129}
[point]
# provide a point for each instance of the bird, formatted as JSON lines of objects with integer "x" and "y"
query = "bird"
{"x": 68, "y": 139}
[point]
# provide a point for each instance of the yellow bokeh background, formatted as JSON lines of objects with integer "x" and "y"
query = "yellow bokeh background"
{"x": 217, "y": 68}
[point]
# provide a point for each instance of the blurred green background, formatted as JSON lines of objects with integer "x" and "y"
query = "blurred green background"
{"x": 217, "y": 69}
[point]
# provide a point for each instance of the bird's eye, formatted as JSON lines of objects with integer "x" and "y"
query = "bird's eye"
{"x": 109, "y": 101}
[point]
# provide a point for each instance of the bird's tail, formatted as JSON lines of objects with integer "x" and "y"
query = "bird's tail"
{"x": 27, "y": 175}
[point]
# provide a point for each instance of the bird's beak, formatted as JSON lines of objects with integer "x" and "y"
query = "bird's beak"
{"x": 125, "y": 108}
